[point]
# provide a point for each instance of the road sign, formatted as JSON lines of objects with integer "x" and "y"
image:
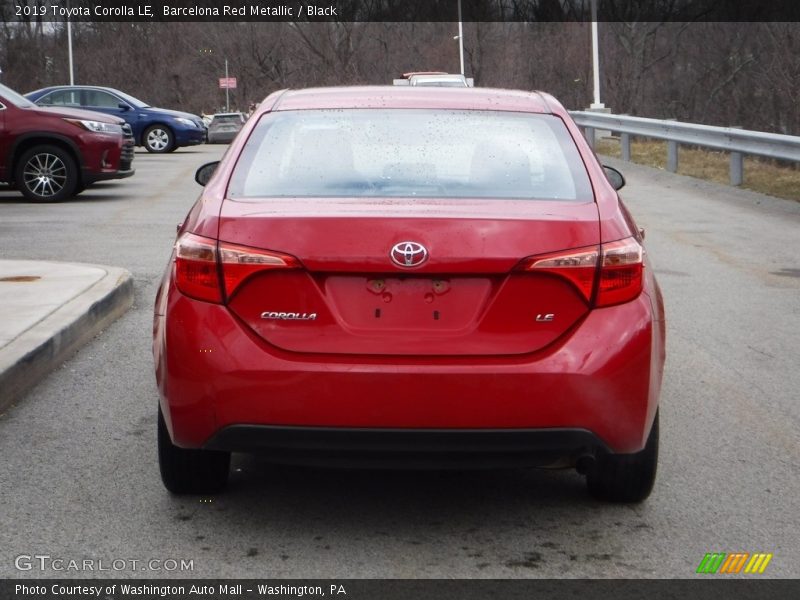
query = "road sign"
{"x": 227, "y": 83}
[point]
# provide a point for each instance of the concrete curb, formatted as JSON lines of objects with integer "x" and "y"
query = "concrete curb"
{"x": 46, "y": 345}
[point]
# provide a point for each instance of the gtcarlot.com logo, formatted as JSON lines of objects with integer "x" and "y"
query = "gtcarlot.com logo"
{"x": 45, "y": 562}
{"x": 733, "y": 563}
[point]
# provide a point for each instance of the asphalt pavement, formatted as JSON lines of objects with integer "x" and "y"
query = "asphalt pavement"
{"x": 78, "y": 469}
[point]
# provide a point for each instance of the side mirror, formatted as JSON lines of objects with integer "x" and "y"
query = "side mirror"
{"x": 204, "y": 173}
{"x": 123, "y": 106}
{"x": 614, "y": 177}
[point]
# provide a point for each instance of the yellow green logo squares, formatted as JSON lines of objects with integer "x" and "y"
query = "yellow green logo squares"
{"x": 733, "y": 563}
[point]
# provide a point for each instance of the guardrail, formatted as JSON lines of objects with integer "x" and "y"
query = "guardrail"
{"x": 739, "y": 142}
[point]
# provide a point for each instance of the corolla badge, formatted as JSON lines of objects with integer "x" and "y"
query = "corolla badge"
{"x": 408, "y": 254}
{"x": 288, "y": 316}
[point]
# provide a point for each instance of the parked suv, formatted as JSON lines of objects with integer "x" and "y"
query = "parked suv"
{"x": 224, "y": 127}
{"x": 157, "y": 129}
{"x": 52, "y": 154}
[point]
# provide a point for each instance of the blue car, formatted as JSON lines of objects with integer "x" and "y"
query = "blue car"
{"x": 157, "y": 129}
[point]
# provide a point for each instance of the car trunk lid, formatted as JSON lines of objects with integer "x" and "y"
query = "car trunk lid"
{"x": 466, "y": 298}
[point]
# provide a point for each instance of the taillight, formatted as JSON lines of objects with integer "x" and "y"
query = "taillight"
{"x": 578, "y": 266}
{"x": 240, "y": 262}
{"x": 621, "y": 272}
{"x": 196, "y": 271}
{"x": 621, "y": 266}
{"x": 199, "y": 261}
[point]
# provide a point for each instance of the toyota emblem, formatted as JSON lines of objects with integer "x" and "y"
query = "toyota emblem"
{"x": 408, "y": 254}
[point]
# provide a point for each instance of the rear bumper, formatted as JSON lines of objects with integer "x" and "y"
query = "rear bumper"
{"x": 418, "y": 448}
{"x": 222, "y": 138}
{"x": 213, "y": 373}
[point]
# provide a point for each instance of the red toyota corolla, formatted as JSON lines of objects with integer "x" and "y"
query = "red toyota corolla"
{"x": 416, "y": 277}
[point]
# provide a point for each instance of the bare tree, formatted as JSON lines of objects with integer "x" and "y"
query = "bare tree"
{"x": 717, "y": 73}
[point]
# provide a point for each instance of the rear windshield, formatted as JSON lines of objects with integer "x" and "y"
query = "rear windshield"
{"x": 408, "y": 153}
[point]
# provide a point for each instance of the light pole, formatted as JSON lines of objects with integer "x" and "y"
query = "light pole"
{"x": 460, "y": 37}
{"x": 227, "y": 82}
{"x": 69, "y": 48}
{"x": 595, "y": 60}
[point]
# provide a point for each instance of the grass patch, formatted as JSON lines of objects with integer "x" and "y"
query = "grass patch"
{"x": 760, "y": 175}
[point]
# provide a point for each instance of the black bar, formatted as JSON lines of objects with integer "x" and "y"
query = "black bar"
{"x": 244, "y": 438}
{"x": 399, "y": 10}
{"x": 410, "y": 448}
{"x": 709, "y": 586}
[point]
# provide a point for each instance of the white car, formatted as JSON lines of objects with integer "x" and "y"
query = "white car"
{"x": 434, "y": 78}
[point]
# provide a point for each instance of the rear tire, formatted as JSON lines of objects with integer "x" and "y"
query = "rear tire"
{"x": 625, "y": 477}
{"x": 190, "y": 471}
{"x": 46, "y": 174}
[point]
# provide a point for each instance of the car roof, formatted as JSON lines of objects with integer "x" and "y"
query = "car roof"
{"x": 415, "y": 73}
{"x": 415, "y": 97}
{"x": 439, "y": 77}
{"x": 73, "y": 87}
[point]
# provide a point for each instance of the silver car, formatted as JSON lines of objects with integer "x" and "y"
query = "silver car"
{"x": 224, "y": 127}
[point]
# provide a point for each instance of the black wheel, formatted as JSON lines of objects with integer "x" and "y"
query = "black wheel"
{"x": 190, "y": 471}
{"x": 46, "y": 174}
{"x": 158, "y": 139}
{"x": 625, "y": 477}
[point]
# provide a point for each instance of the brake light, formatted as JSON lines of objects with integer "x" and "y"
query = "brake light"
{"x": 196, "y": 273}
{"x": 621, "y": 267}
{"x": 621, "y": 272}
{"x": 199, "y": 261}
{"x": 578, "y": 266}
{"x": 240, "y": 262}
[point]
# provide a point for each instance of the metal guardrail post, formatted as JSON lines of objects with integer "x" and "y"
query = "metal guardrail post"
{"x": 736, "y": 171}
{"x": 737, "y": 168}
{"x": 625, "y": 146}
{"x": 672, "y": 156}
